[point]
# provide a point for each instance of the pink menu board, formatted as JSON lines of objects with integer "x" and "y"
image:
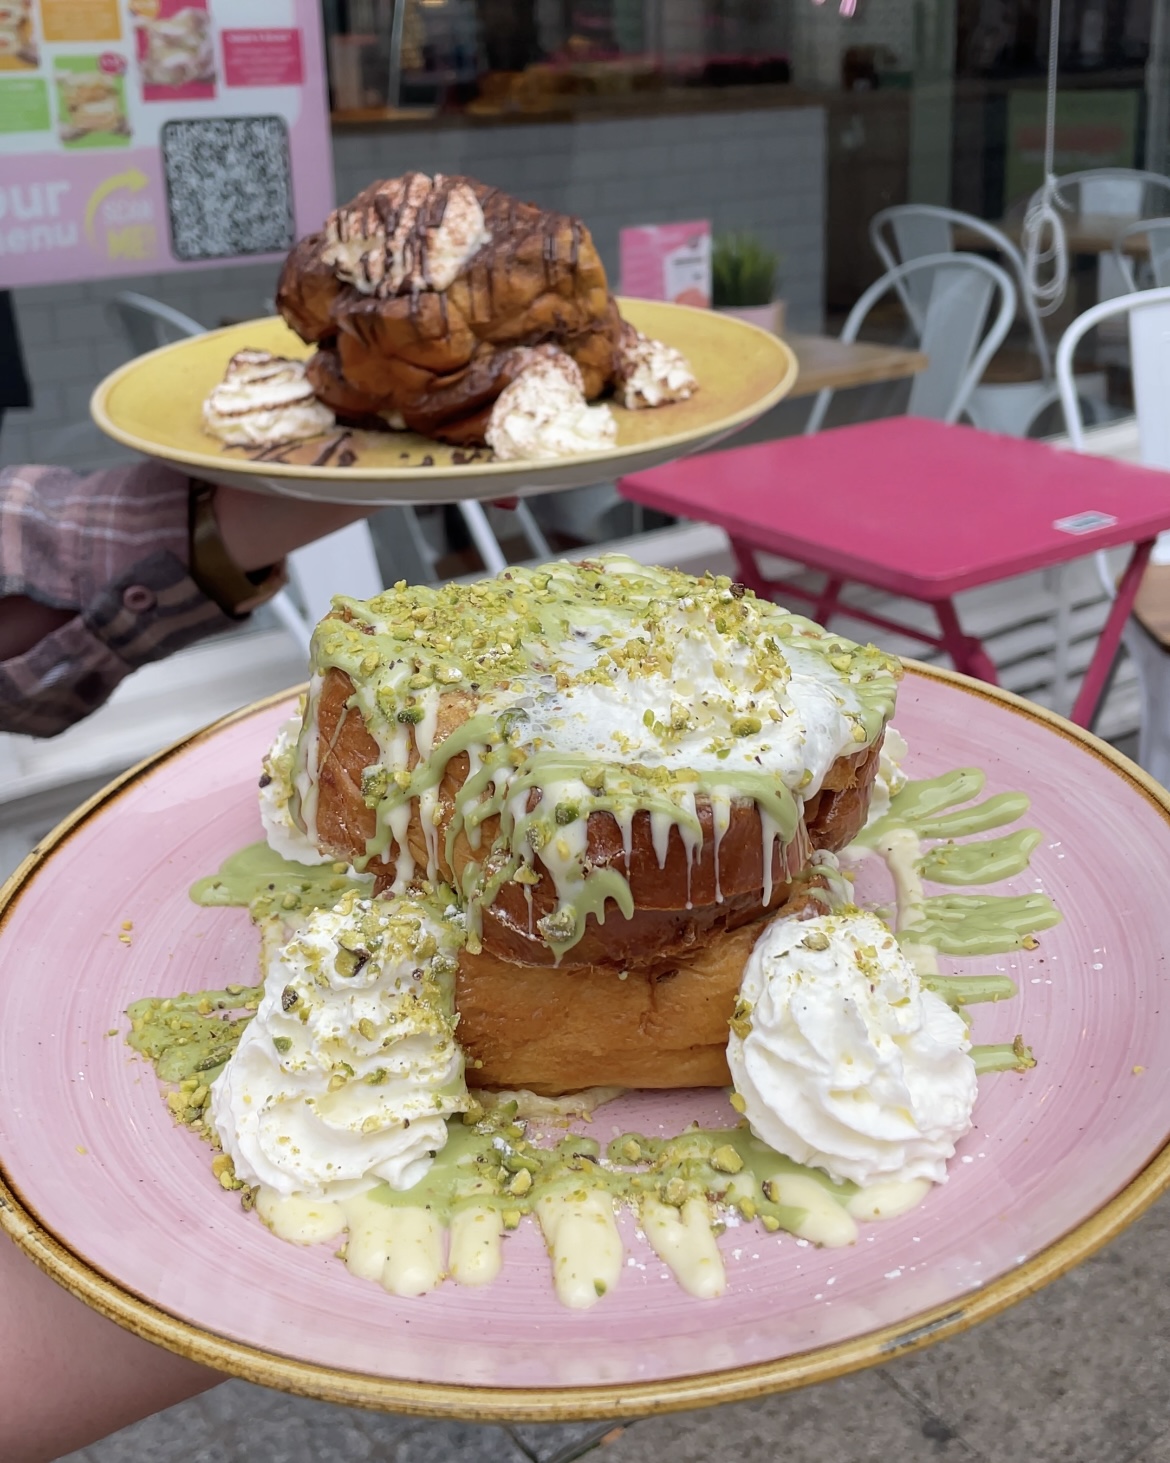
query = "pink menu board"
{"x": 668, "y": 262}
{"x": 138, "y": 136}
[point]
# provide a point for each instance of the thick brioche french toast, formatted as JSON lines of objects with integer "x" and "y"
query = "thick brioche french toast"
{"x": 662, "y": 1023}
{"x": 420, "y": 292}
{"x": 620, "y": 772}
{"x": 676, "y": 899}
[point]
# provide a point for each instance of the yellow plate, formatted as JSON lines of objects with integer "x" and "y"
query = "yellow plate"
{"x": 154, "y": 405}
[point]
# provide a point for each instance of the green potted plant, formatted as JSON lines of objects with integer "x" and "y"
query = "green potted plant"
{"x": 744, "y": 280}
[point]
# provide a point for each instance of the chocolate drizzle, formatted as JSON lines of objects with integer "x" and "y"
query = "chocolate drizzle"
{"x": 395, "y": 222}
{"x": 421, "y": 304}
{"x": 274, "y": 452}
{"x": 330, "y": 447}
{"x": 284, "y": 452}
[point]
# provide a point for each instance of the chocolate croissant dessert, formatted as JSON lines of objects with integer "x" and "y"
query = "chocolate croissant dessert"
{"x": 420, "y": 292}
{"x": 621, "y": 773}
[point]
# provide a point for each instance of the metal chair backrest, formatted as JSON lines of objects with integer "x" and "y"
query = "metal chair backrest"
{"x": 964, "y": 292}
{"x": 148, "y": 324}
{"x": 1148, "y": 314}
{"x": 1156, "y": 232}
{"x": 1149, "y": 346}
{"x": 318, "y": 569}
{"x": 914, "y": 230}
{"x": 1122, "y": 193}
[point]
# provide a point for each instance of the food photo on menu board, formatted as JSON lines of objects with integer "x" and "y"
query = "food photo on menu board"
{"x": 176, "y": 50}
{"x": 157, "y": 134}
{"x": 18, "y": 48}
{"x": 91, "y": 99}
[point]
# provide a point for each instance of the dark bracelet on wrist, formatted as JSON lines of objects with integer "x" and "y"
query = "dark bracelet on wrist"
{"x": 236, "y": 591}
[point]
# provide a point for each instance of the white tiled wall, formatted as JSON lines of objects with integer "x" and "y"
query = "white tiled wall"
{"x": 761, "y": 170}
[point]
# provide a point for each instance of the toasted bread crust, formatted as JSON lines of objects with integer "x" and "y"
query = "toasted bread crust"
{"x": 440, "y": 358}
{"x": 677, "y": 905}
{"x": 660, "y": 1024}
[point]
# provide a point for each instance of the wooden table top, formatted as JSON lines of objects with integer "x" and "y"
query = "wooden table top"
{"x": 1086, "y": 233}
{"x": 826, "y": 363}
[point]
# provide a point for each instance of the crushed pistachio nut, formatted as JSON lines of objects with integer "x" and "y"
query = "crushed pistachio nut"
{"x": 726, "y": 1160}
{"x": 741, "y": 1024}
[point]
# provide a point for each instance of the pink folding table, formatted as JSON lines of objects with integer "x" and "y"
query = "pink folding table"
{"x": 922, "y": 510}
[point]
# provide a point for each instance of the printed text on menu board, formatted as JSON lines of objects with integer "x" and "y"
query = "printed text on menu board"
{"x": 147, "y": 135}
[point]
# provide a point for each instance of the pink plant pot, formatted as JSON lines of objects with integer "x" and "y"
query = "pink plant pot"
{"x": 767, "y": 317}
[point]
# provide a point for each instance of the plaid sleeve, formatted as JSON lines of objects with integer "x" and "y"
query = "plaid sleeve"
{"x": 112, "y": 547}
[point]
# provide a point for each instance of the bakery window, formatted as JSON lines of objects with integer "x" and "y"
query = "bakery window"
{"x": 404, "y": 59}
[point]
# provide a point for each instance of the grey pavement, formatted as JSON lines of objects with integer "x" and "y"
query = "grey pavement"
{"x": 1076, "y": 1374}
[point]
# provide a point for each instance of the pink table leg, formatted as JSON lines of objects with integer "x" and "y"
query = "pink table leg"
{"x": 828, "y": 601}
{"x": 1098, "y": 672}
{"x": 747, "y": 570}
{"x": 967, "y": 653}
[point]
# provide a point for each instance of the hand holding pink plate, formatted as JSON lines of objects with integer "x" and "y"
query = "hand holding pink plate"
{"x": 120, "y": 1205}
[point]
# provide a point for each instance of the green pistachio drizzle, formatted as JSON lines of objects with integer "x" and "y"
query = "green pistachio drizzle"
{"x": 535, "y": 633}
{"x": 491, "y": 1162}
{"x": 980, "y": 863}
{"x": 967, "y": 924}
{"x": 494, "y": 1160}
{"x": 192, "y": 1036}
{"x": 983, "y": 924}
{"x": 267, "y": 884}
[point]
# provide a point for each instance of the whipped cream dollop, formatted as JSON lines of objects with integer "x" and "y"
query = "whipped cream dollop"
{"x": 650, "y": 372}
{"x": 544, "y": 414}
{"x": 264, "y": 400}
{"x": 408, "y": 233}
{"x": 673, "y": 690}
{"x": 842, "y": 1060}
{"x": 889, "y": 779}
{"x": 283, "y": 833}
{"x": 349, "y": 1068}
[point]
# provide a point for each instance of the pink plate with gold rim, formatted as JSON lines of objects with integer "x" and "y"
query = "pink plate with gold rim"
{"x": 121, "y": 1207}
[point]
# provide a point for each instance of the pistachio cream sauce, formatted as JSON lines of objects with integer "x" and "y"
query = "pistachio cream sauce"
{"x": 508, "y": 1156}
{"x": 606, "y": 686}
{"x": 334, "y": 1094}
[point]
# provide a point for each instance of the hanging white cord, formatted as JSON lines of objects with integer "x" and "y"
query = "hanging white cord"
{"x": 1045, "y": 245}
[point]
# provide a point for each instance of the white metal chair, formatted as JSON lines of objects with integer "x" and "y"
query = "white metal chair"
{"x": 475, "y": 517}
{"x": 968, "y": 305}
{"x": 148, "y": 324}
{"x": 1147, "y": 313}
{"x": 1121, "y": 194}
{"x": 912, "y": 231}
{"x": 1157, "y": 234}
